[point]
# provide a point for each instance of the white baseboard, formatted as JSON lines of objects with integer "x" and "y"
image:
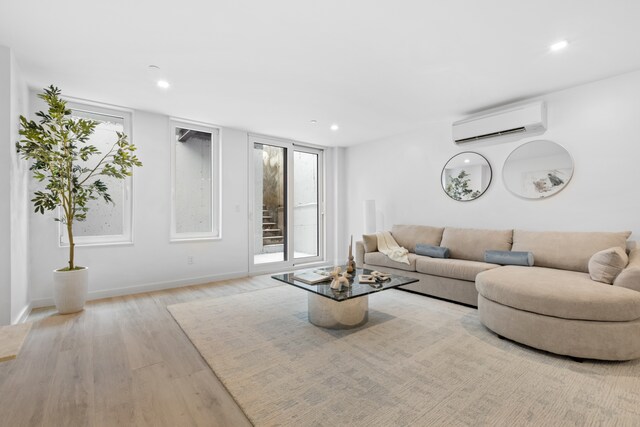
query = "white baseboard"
{"x": 22, "y": 317}
{"x": 148, "y": 287}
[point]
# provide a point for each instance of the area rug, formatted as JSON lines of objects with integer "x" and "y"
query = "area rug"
{"x": 11, "y": 339}
{"x": 419, "y": 361}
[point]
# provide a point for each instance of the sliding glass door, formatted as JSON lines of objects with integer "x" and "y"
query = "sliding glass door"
{"x": 286, "y": 204}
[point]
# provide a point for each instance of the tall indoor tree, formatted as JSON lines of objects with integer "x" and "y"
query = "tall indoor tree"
{"x": 59, "y": 149}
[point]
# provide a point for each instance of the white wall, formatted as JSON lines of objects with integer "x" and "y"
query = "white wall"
{"x": 598, "y": 123}
{"x": 14, "y": 298}
{"x": 152, "y": 262}
{"x": 19, "y": 200}
{"x": 5, "y": 208}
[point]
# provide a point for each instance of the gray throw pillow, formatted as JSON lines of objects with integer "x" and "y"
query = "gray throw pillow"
{"x": 432, "y": 251}
{"x": 509, "y": 258}
{"x": 604, "y": 266}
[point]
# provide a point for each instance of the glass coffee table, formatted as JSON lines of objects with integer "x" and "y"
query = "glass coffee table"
{"x": 346, "y": 309}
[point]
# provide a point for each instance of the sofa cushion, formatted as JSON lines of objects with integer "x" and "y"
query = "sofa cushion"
{"x": 470, "y": 243}
{"x": 408, "y": 236}
{"x": 566, "y": 250}
{"x": 604, "y": 266}
{"x": 630, "y": 276}
{"x": 432, "y": 251}
{"x": 381, "y": 260}
{"x": 509, "y": 258}
{"x": 452, "y": 268}
{"x": 558, "y": 293}
{"x": 370, "y": 242}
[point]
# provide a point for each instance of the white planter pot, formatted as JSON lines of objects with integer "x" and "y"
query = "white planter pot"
{"x": 70, "y": 289}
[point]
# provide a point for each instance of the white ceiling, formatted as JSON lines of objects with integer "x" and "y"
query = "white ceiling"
{"x": 376, "y": 68}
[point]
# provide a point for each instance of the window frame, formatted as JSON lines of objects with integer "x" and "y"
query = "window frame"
{"x": 126, "y": 238}
{"x": 292, "y": 261}
{"x": 320, "y": 195}
{"x": 216, "y": 181}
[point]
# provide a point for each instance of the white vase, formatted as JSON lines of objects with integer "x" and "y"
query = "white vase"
{"x": 70, "y": 289}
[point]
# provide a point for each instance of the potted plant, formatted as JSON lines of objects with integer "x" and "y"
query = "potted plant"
{"x": 58, "y": 148}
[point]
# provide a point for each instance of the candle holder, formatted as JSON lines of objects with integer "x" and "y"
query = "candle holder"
{"x": 351, "y": 265}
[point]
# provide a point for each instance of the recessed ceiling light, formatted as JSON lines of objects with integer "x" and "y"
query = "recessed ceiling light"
{"x": 559, "y": 45}
{"x": 467, "y": 160}
{"x": 314, "y": 121}
{"x": 163, "y": 84}
{"x": 154, "y": 67}
{"x": 334, "y": 127}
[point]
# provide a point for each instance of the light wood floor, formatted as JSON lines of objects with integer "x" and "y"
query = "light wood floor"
{"x": 122, "y": 361}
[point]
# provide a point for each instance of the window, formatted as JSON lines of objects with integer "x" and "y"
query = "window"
{"x": 195, "y": 176}
{"x": 106, "y": 223}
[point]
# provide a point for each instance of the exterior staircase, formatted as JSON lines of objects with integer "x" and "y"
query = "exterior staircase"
{"x": 272, "y": 237}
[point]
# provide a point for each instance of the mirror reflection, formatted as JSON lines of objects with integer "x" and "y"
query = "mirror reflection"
{"x": 537, "y": 169}
{"x": 466, "y": 176}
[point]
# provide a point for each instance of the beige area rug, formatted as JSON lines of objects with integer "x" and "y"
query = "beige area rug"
{"x": 11, "y": 340}
{"x": 419, "y": 361}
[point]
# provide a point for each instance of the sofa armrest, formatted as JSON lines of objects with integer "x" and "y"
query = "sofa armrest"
{"x": 630, "y": 277}
{"x": 359, "y": 254}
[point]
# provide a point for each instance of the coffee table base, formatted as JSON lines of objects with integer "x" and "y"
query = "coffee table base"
{"x": 330, "y": 314}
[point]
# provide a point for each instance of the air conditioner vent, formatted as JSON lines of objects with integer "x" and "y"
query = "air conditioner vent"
{"x": 506, "y": 123}
{"x": 493, "y": 134}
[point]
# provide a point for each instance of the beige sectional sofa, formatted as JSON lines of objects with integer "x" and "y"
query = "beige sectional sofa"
{"x": 554, "y": 306}
{"x": 452, "y": 278}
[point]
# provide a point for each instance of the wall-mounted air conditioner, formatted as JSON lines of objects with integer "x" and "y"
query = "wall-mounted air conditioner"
{"x": 504, "y": 123}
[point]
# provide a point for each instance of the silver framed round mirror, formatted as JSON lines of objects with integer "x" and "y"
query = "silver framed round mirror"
{"x": 537, "y": 169}
{"x": 466, "y": 176}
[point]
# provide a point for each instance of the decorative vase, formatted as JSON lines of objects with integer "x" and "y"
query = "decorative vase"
{"x": 70, "y": 289}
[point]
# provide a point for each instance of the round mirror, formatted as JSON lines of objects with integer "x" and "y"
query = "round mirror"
{"x": 466, "y": 176}
{"x": 537, "y": 169}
